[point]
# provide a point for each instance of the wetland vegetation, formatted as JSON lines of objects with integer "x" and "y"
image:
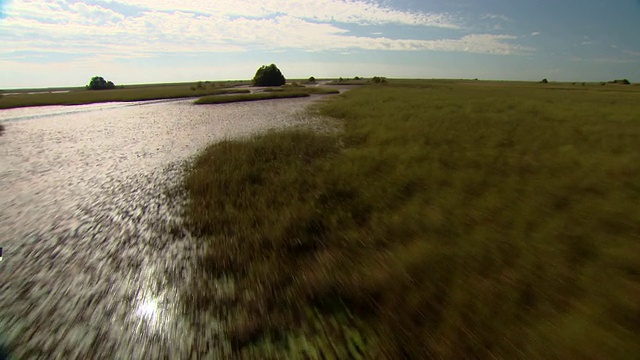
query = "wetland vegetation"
{"x": 445, "y": 219}
{"x": 76, "y": 96}
{"x": 282, "y": 92}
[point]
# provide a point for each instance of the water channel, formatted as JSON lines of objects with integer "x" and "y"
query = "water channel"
{"x": 94, "y": 252}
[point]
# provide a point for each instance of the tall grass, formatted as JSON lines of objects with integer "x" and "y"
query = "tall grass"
{"x": 283, "y": 92}
{"x": 448, "y": 220}
{"x": 248, "y": 97}
{"x": 319, "y": 90}
{"x": 133, "y": 93}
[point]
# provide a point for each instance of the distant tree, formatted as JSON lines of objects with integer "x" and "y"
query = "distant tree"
{"x": 356, "y": 78}
{"x": 311, "y": 80}
{"x": 544, "y": 81}
{"x": 268, "y": 76}
{"x": 379, "y": 80}
{"x": 99, "y": 83}
{"x": 621, "y": 81}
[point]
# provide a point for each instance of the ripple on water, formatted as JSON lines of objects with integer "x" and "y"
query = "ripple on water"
{"x": 95, "y": 255}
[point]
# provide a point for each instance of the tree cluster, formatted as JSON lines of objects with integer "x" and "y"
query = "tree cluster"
{"x": 268, "y": 76}
{"x": 621, "y": 81}
{"x": 99, "y": 83}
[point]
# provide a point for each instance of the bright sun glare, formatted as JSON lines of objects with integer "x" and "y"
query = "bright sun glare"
{"x": 148, "y": 310}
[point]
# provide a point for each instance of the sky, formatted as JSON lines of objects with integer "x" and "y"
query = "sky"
{"x": 50, "y": 43}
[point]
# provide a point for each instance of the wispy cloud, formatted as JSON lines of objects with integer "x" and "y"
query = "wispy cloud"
{"x": 604, "y": 60}
{"x": 535, "y": 33}
{"x": 340, "y": 11}
{"x": 496, "y": 17}
{"x": 176, "y": 26}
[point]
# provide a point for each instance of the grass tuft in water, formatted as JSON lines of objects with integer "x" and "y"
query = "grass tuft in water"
{"x": 283, "y": 92}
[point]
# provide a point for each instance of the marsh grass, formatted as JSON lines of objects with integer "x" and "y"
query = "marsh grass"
{"x": 283, "y": 92}
{"x": 248, "y": 97}
{"x": 319, "y": 90}
{"x": 129, "y": 93}
{"x": 447, "y": 220}
{"x": 349, "y": 82}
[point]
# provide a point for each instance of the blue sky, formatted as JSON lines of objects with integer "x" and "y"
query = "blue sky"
{"x": 64, "y": 43}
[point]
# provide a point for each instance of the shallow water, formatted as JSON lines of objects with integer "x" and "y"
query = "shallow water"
{"x": 95, "y": 255}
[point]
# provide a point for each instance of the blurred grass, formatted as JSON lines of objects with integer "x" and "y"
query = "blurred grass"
{"x": 128, "y": 93}
{"x": 449, "y": 219}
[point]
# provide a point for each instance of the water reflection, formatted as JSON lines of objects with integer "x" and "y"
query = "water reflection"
{"x": 148, "y": 310}
{"x": 153, "y": 317}
{"x": 94, "y": 254}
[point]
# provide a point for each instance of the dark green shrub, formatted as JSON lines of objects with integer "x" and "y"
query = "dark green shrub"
{"x": 379, "y": 80}
{"x": 268, "y": 76}
{"x": 621, "y": 81}
{"x": 99, "y": 83}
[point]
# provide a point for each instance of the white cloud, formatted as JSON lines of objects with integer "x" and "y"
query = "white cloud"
{"x": 604, "y": 60}
{"x": 95, "y": 14}
{"x": 535, "y": 33}
{"x": 496, "y": 17}
{"x": 633, "y": 53}
{"x": 37, "y": 35}
{"x": 364, "y": 12}
{"x": 223, "y": 26}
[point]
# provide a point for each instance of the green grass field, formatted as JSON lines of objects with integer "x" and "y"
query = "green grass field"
{"x": 445, "y": 219}
{"x": 128, "y": 93}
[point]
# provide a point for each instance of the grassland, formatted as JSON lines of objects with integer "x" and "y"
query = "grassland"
{"x": 128, "y": 93}
{"x": 444, "y": 220}
{"x": 267, "y": 94}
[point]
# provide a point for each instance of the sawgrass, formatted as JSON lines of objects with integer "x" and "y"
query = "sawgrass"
{"x": 249, "y": 97}
{"x": 448, "y": 219}
{"x": 283, "y": 92}
{"x": 128, "y": 93}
